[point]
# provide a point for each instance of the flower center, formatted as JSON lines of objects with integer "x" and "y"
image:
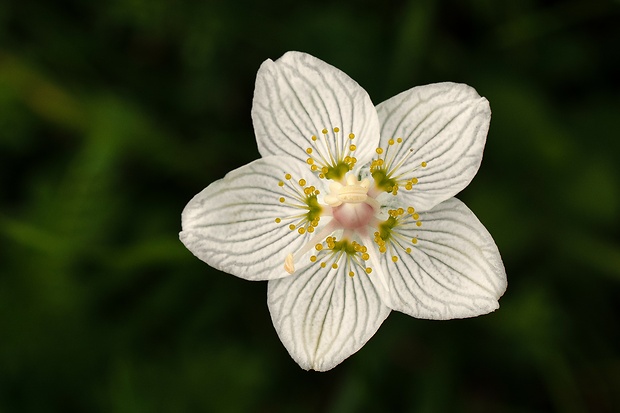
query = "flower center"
{"x": 351, "y": 206}
{"x": 353, "y": 216}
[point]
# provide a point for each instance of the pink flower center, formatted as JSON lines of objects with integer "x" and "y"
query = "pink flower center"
{"x": 353, "y": 216}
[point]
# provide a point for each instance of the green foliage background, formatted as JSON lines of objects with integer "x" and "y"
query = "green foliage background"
{"x": 114, "y": 114}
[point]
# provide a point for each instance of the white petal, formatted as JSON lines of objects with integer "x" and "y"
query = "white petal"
{"x": 231, "y": 225}
{"x": 446, "y": 125}
{"x": 298, "y": 96}
{"x": 454, "y": 271}
{"x": 323, "y": 316}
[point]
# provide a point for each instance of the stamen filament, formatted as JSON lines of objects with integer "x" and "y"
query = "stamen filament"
{"x": 322, "y": 161}
{"x": 387, "y": 172}
{"x": 329, "y": 151}
{"x": 331, "y": 160}
{"x": 375, "y": 263}
{"x": 402, "y": 161}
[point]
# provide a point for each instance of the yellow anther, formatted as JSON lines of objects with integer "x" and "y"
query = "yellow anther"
{"x": 365, "y": 256}
{"x": 334, "y": 266}
{"x": 302, "y": 182}
{"x": 280, "y": 183}
{"x": 323, "y": 265}
{"x": 287, "y": 176}
{"x": 351, "y": 274}
{"x": 351, "y": 136}
{"x": 368, "y": 270}
{"x": 415, "y": 216}
{"x": 418, "y": 223}
{"x": 313, "y": 167}
{"x": 324, "y": 131}
{"x": 423, "y": 164}
{"x": 309, "y": 151}
{"x": 313, "y": 258}
{"x": 318, "y": 247}
{"x": 281, "y": 199}
{"x": 310, "y": 229}
{"x": 301, "y": 230}
{"x": 292, "y": 227}
{"x": 278, "y": 220}
{"x": 379, "y": 151}
{"x": 410, "y": 210}
{"x": 408, "y": 250}
{"x": 414, "y": 241}
{"x": 310, "y": 161}
{"x": 313, "y": 138}
{"x": 336, "y": 130}
{"x": 391, "y": 142}
{"x": 414, "y": 181}
{"x": 394, "y": 258}
{"x": 352, "y": 148}
{"x": 399, "y": 140}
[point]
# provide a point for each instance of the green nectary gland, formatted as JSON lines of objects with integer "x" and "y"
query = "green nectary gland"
{"x": 314, "y": 208}
{"x": 337, "y": 172}
{"x": 344, "y": 246}
{"x": 385, "y": 228}
{"x": 382, "y": 180}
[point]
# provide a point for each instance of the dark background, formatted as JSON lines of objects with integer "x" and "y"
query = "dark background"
{"x": 113, "y": 114}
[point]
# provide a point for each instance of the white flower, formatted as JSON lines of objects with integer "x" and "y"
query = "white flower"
{"x": 350, "y": 212}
